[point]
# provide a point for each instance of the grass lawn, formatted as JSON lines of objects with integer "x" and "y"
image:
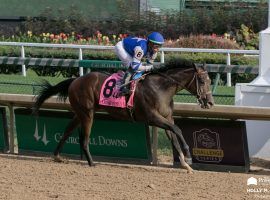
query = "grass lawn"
{"x": 18, "y": 84}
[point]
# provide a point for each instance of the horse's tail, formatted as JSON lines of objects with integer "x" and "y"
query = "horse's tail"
{"x": 47, "y": 90}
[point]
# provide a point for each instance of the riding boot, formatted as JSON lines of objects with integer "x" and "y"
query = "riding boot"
{"x": 125, "y": 88}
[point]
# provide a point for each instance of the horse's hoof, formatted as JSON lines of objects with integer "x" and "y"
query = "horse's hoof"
{"x": 189, "y": 169}
{"x": 58, "y": 159}
{"x": 92, "y": 164}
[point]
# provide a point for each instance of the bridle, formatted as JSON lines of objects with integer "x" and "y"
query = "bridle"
{"x": 187, "y": 87}
{"x": 195, "y": 77}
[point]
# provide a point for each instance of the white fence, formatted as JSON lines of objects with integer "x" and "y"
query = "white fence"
{"x": 80, "y": 48}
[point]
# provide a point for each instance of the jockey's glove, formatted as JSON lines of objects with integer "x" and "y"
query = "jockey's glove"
{"x": 145, "y": 67}
{"x": 148, "y": 67}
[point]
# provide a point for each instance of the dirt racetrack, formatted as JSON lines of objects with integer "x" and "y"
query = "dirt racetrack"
{"x": 27, "y": 178}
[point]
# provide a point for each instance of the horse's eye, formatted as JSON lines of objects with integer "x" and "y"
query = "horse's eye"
{"x": 202, "y": 82}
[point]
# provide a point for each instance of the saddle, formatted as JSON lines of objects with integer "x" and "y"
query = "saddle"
{"x": 110, "y": 94}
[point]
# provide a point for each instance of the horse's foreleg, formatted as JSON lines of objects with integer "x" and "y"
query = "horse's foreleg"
{"x": 188, "y": 157}
{"x": 169, "y": 134}
{"x": 175, "y": 129}
{"x": 161, "y": 122}
{"x": 70, "y": 127}
{"x": 86, "y": 128}
{"x": 177, "y": 151}
{"x": 181, "y": 155}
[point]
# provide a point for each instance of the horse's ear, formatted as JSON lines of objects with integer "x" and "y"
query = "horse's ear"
{"x": 200, "y": 67}
{"x": 204, "y": 66}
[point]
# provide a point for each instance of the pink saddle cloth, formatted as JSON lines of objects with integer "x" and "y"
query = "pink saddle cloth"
{"x": 110, "y": 92}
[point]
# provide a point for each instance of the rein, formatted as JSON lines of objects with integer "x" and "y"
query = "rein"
{"x": 194, "y": 78}
{"x": 179, "y": 83}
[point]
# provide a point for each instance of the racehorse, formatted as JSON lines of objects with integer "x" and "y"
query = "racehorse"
{"x": 153, "y": 102}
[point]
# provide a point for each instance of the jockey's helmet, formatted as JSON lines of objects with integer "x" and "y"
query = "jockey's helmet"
{"x": 156, "y": 38}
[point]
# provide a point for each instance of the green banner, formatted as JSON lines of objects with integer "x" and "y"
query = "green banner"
{"x": 109, "y": 138}
{"x": 101, "y": 64}
{"x": 2, "y": 127}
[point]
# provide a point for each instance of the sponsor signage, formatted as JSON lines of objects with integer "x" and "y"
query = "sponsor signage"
{"x": 219, "y": 145}
{"x": 109, "y": 138}
{"x": 3, "y": 130}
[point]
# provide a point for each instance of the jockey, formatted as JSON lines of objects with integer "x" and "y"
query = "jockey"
{"x": 131, "y": 50}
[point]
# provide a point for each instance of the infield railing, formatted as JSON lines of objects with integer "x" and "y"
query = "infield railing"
{"x": 80, "y": 48}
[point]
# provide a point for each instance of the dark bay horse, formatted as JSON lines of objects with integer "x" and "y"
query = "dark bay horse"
{"x": 153, "y": 102}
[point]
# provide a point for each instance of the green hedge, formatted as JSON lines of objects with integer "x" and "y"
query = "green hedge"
{"x": 198, "y": 20}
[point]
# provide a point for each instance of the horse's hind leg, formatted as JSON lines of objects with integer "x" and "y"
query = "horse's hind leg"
{"x": 70, "y": 127}
{"x": 86, "y": 125}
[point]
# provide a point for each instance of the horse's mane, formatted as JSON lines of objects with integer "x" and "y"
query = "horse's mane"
{"x": 173, "y": 64}
{"x": 176, "y": 63}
